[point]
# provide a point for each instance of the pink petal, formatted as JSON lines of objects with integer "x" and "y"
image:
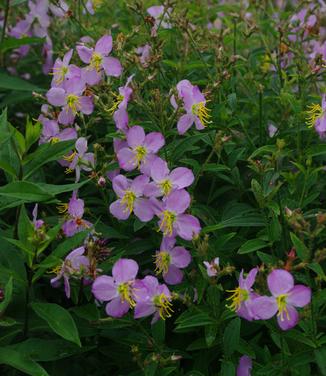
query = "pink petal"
{"x": 104, "y": 45}
{"x": 120, "y": 184}
{"x": 84, "y": 53}
{"x": 299, "y": 296}
{"x": 154, "y": 141}
{"x": 185, "y": 122}
{"x": 143, "y": 210}
{"x": 125, "y": 270}
{"x": 119, "y": 210}
{"x": 117, "y": 308}
{"x": 56, "y": 96}
{"x": 104, "y": 288}
{"x": 181, "y": 177}
{"x": 180, "y": 257}
{"x": 112, "y": 66}
{"x": 279, "y": 282}
{"x": 173, "y": 276}
{"x": 135, "y": 136}
{"x": 289, "y": 320}
{"x": 187, "y": 226}
{"x": 127, "y": 160}
{"x": 264, "y": 307}
{"x": 178, "y": 201}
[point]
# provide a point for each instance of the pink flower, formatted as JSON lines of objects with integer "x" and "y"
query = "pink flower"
{"x": 212, "y": 267}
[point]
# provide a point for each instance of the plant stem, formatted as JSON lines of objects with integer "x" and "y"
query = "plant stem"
{"x": 3, "y": 33}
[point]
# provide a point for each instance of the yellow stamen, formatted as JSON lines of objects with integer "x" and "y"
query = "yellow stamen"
{"x": 125, "y": 292}
{"x": 166, "y": 186}
{"x": 54, "y": 140}
{"x": 162, "y": 302}
{"x": 128, "y": 200}
{"x": 167, "y": 222}
{"x": 141, "y": 153}
{"x": 239, "y": 295}
{"x": 70, "y": 158}
{"x": 62, "y": 208}
{"x": 281, "y": 304}
{"x": 55, "y": 270}
{"x": 200, "y": 110}
{"x": 68, "y": 171}
{"x": 117, "y": 100}
{"x": 96, "y": 61}
{"x": 314, "y": 112}
{"x": 60, "y": 74}
{"x": 73, "y": 102}
{"x": 162, "y": 262}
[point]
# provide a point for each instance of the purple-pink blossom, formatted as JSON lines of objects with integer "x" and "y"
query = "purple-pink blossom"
{"x": 244, "y": 366}
{"x": 141, "y": 149}
{"x": 212, "y": 267}
{"x": 117, "y": 290}
{"x": 286, "y": 297}
{"x": 169, "y": 261}
{"x": 166, "y": 181}
{"x": 76, "y": 265}
{"x": 173, "y": 221}
{"x": 98, "y": 60}
{"x": 130, "y": 193}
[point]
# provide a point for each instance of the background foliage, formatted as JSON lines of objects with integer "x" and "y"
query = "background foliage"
{"x": 256, "y": 196}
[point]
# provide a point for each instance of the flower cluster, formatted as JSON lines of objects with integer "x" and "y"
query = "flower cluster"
{"x": 285, "y": 298}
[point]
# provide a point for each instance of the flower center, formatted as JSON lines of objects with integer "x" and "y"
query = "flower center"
{"x": 128, "y": 200}
{"x": 62, "y": 208}
{"x": 200, "y": 110}
{"x": 73, "y": 102}
{"x": 281, "y": 304}
{"x": 163, "y": 304}
{"x": 168, "y": 219}
{"x": 70, "y": 158}
{"x": 162, "y": 262}
{"x": 314, "y": 112}
{"x": 239, "y": 295}
{"x": 60, "y": 74}
{"x": 140, "y": 154}
{"x": 96, "y": 61}
{"x": 166, "y": 186}
{"x": 125, "y": 292}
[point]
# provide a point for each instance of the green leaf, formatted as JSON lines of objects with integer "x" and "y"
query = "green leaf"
{"x": 7, "y": 295}
{"x": 16, "y": 83}
{"x": 320, "y": 355}
{"x": 11, "y": 43}
{"x": 252, "y": 245}
{"x": 25, "y": 191}
{"x": 158, "y": 331}
{"x": 59, "y": 320}
{"x": 21, "y": 362}
{"x": 46, "y": 153}
{"x": 32, "y": 133}
{"x": 249, "y": 220}
{"x": 301, "y": 249}
{"x": 231, "y": 336}
{"x": 193, "y": 320}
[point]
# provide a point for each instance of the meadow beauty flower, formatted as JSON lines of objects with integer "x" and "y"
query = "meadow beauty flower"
{"x": 243, "y": 296}
{"x": 152, "y": 298}
{"x": 212, "y": 267}
{"x": 71, "y": 98}
{"x": 80, "y": 160}
{"x": 118, "y": 290}
{"x": 75, "y": 211}
{"x": 164, "y": 181}
{"x": 245, "y": 366}
{"x": 195, "y": 106}
{"x": 98, "y": 60}
{"x": 170, "y": 259}
{"x": 76, "y": 265}
{"x": 130, "y": 193}
{"x": 173, "y": 221}
{"x": 63, "y": 71}
{"x": 316, "y": 117}
{"x": 119, "y": 108}
{"x": 140, "y": 149}
{"x": 272, "y": 130}
{"x": 285, "y": 297}
{"x": 51, "y": 131}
